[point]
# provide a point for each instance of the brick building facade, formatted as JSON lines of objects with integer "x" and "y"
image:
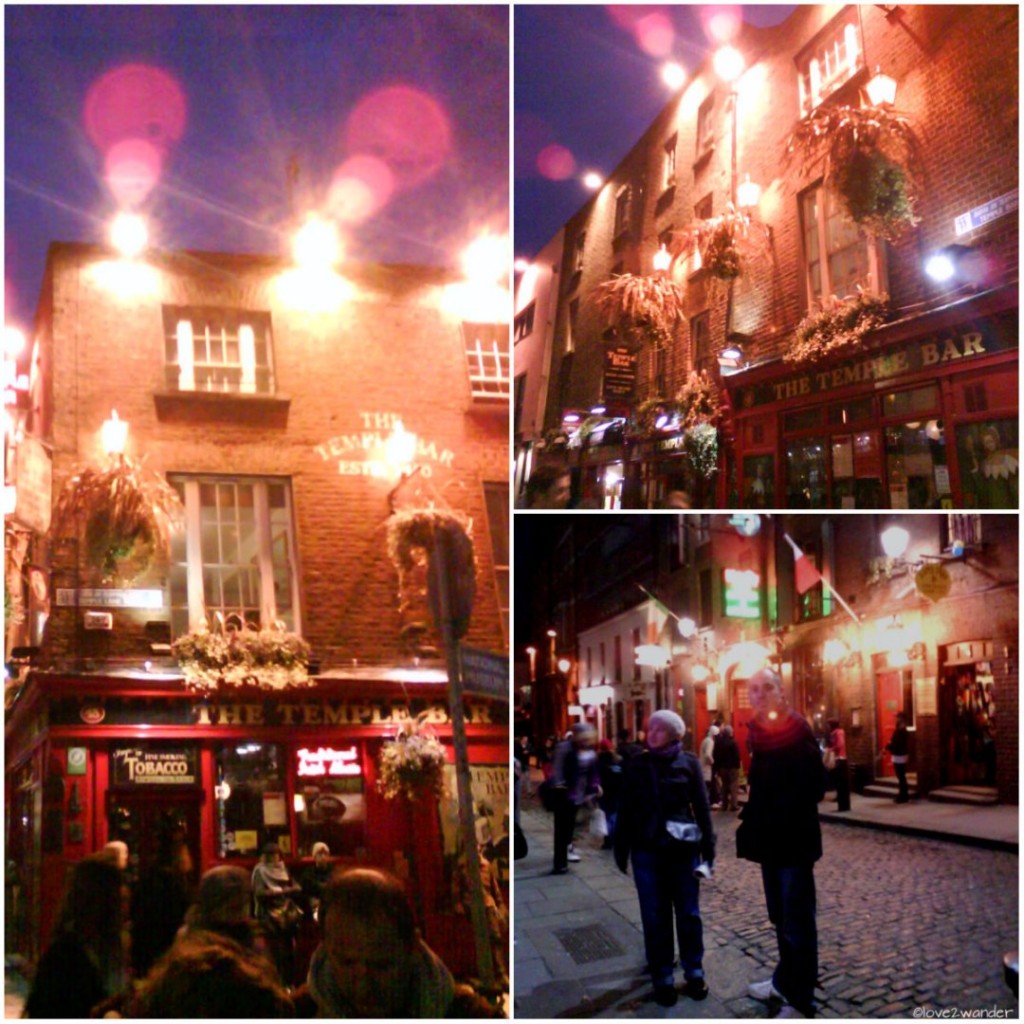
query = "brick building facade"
{"x": 272, "y": 413}
{"x": 900, "y": 418}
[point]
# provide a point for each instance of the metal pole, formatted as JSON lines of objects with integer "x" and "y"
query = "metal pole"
{"x": 478, "y": 915}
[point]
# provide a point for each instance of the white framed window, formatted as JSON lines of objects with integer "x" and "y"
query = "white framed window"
{"x": 496, "y": 499}
{"x": 832, "y": 59}
{"x": 621, "y": 211}
{"x": 487, "y": 360}
{"x": 236, "y": 554}
{"x": 669, "y": 177}
{"x": 218, "y": 350}
{"x": 705, "y": 136}
{"x": 838, "y": 256}
{"x": 577, "y": 251}
{"x": 572, "y": 325}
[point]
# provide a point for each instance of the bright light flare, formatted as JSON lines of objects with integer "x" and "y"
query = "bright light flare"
{"x": 654, "y": 34}
{"x": 114, "y": 434}
{"x": 132, "y": 168}
{"x": 728, "y": 63}
{"x": 14, "y": 341}
{"x": 722, "y": 24}
{"x": 125, "y": 280}
{"x": 135, "y": 101}
{"x": 673, "y": 75}
{"x": 477, "y": 302}
{"x": 313, "y": 289}
{"x": 894, "y": 541}
{"x": 521, "y": 265}
{"x": 593, "y": 180}
{"x": 129, "y": 235}
{"x": 486, "y": 259}
{"x": 361, "y": 187}
{"x": 400, "y": 448}
{"x": 556, "y": 163}
{"x": 940, "y": 268}
{"x": 316, "y": 244}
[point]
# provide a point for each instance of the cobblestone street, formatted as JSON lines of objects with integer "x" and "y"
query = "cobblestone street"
{"x": 903, "y": 922}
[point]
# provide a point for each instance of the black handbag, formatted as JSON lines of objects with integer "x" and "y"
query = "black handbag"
{"x": 284, "y": 916}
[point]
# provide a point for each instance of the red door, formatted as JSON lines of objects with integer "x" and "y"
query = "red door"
{"x": 742, "y": 713}
{"x": 890, "y": 704}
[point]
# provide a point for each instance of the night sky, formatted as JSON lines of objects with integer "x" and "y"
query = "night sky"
{"x": 221, "y": 106}
{"x": 588, "y": 78}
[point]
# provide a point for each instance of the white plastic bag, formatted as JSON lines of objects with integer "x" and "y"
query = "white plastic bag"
{"x": 598, "y": 824}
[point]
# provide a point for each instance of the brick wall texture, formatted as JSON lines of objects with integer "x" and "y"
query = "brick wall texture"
{"x": 389, "y": 351}
{"x": 961, "y": 99}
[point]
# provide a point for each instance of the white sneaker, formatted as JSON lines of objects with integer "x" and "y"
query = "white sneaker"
{"x": 573, "y": 857}
{"x": 789, "y": 1013}
{"x": 763, "y": 991}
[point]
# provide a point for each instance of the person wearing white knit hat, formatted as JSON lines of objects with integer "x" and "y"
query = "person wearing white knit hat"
{"x": 664, "y": 827}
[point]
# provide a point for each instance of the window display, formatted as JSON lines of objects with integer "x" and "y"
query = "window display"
{"x": 989, "y": 463}
{"x": 805, "y": 473}
{"x": 915, "y": 457}
{"x": 252, "y": 807}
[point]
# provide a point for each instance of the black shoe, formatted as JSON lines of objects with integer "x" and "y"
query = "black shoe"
{"x": 559, "y": 871}
{"x": 666, "y": 995}
{"x": 695, "y": 988}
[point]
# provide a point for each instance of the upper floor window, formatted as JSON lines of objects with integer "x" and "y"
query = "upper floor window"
{"x": 487, "y": 360}
{"x": 700, "y": 341}
{"x": 572, "y": 325}
{"x": 964, "y": 527}
{"x": 705, "y": 138}
{"x": 837, "y": 255}
{"x": 496, "y": 498}
{"x": 236, "y": 554}
{"x": 219, "y": 350}
{"x": 523, "y": 323}
{"x": 669, "y": 178}
{"x": 577, "y": 251}
{"x": 621, "y": 211}
{"x": 833, "y": 58}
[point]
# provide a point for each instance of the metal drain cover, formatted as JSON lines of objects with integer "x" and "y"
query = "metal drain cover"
{"x": 589, "y": 944}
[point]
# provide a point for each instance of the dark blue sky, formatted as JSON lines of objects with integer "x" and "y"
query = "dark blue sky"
{"x": 582, "y": 81}
{"x": 261, "y": 84}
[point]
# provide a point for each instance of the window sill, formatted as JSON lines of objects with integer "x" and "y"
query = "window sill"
{"x": 499, "y": 405}
{"x": 213, "y": 407}
{"x": 703, "y": 156}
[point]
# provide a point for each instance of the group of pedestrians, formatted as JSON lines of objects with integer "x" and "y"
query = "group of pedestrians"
{"x": 664, "y": 830}
{"x": 212, "y": 956}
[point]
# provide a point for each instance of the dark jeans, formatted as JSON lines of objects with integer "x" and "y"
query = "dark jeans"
{"x": 565, "y": 825}
{"x": 789, "y": 893}
{"x": 842, "y": 784}
{"x": 901, "y": 776}
{"x": 667, "y": 889}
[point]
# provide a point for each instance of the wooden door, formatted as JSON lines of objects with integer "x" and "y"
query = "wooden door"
{"x": 889, "y": 689}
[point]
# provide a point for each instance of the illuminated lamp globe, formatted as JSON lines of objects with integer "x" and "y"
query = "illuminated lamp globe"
{"x": 748, "y": 194}
{"x": 14, "y": 341}
{"x": 552, "y": 633}
{"x": 662, "y": 260}
{"x": 687, "y": 627}
{"x": 598, "y": 410}
{"x": 564, "y": 664}
{"x": 128, "y": 234}
{"x": 673, "y": 75}
{"x": 700, "y": 673}
{"x": 940, "y": 267}
{"x": 728, "y": 63}
{"x": 881, "y": 90}
{"x": 400, "y": 447}
{"x": 894, "y": 541}
{"x": 593, "y": 180}
{"x": 114, "y": 434}
{"x": 486, "y": 259}
{"x": 521, "y": 265}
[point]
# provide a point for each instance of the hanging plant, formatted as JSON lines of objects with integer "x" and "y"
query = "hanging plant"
{"x": 126, "y": 513}
{"x": 870, "y": 159}
{"x": 723, "y": 244}
{"x": 413, "y": 536}
{"x": 647, "y": 308}
{"x": 839, "y": 324}
{"x": 242, "y": 655}
{"x": 701, "y": 444}
{"x": 411, "y": 766}
{"x": 643, "y": 421}
{"x": 698, "y": 399}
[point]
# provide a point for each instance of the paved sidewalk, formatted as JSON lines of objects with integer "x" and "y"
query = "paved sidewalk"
{"x": 579, "y": 947}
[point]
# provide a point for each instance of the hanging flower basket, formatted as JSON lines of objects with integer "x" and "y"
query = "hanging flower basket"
{"x": 724, "y": 244}
{"x": 840, "y": 324}
{"x": 123, "y": 514}
{"x": 871, "y": 160}
{"x": 413, "y": 536}
{"x": 648, "y": 308}
{"x": 411, "y": 766}
{"x": 643, "y": 420}
{"x": 698, "y": 399}
{"x": 700, "y": 443}
{"x": 269, "y": 659}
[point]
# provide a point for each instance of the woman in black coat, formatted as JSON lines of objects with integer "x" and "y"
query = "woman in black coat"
{"x": 665, "y": 786}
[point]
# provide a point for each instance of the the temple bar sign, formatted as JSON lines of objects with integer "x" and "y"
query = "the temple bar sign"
{"x": 933, "y": 351}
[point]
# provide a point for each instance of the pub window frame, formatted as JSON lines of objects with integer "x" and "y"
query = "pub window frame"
{"x": 669, "y": 165}
{"x": 830, "y": 60}
{"x": 488, "y": 361}
{"x": 622, "y": 212}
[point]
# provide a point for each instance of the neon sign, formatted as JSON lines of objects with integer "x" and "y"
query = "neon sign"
{"x": 742, "y": 596}
{"x": 327, "y": 761}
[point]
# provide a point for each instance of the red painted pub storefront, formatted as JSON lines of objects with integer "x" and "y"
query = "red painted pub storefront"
{"x": 92, "y": 758}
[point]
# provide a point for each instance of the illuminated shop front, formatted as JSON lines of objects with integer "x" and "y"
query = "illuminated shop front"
{"x": 98, "y": 758}
{"x": 924, "y": 417}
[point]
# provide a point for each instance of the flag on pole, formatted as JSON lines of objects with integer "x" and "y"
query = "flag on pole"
{"x": 807, "y": 574}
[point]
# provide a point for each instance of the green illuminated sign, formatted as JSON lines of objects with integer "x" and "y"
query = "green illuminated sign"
{"x": 742, "y": 596}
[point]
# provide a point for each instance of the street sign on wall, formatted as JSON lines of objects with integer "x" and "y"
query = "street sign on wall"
{"x": 484, "y": 674}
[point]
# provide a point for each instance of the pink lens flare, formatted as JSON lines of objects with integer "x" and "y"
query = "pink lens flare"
{"x": 556, "y": 163}
{"x": 405, "y": 128}
{"x": 135, "y": 102}
{"x": 361, "y": 187}
{"x": 132, "y": 168}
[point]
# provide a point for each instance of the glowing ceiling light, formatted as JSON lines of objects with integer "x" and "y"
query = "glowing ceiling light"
{"x": 14, "y": 341}
{"x": 128, "y": 234}
{"x": 673, "y": 74}
{"x": 316, "y": 244}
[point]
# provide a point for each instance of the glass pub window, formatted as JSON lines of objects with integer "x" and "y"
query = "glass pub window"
{"x": 236, "y": 554}
{"x": 836, "y": 254}
{"x": 832, "y": 59}
{"x": 218, "y": 350}
{"x": 252, "y": 804}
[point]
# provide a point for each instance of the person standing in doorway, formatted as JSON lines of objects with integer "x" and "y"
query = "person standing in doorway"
{"x": 779, "y": 829}
{"x": 899, "y": 748}
{"x": 727, "y": 765}
{"x": 837, "y": 744}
